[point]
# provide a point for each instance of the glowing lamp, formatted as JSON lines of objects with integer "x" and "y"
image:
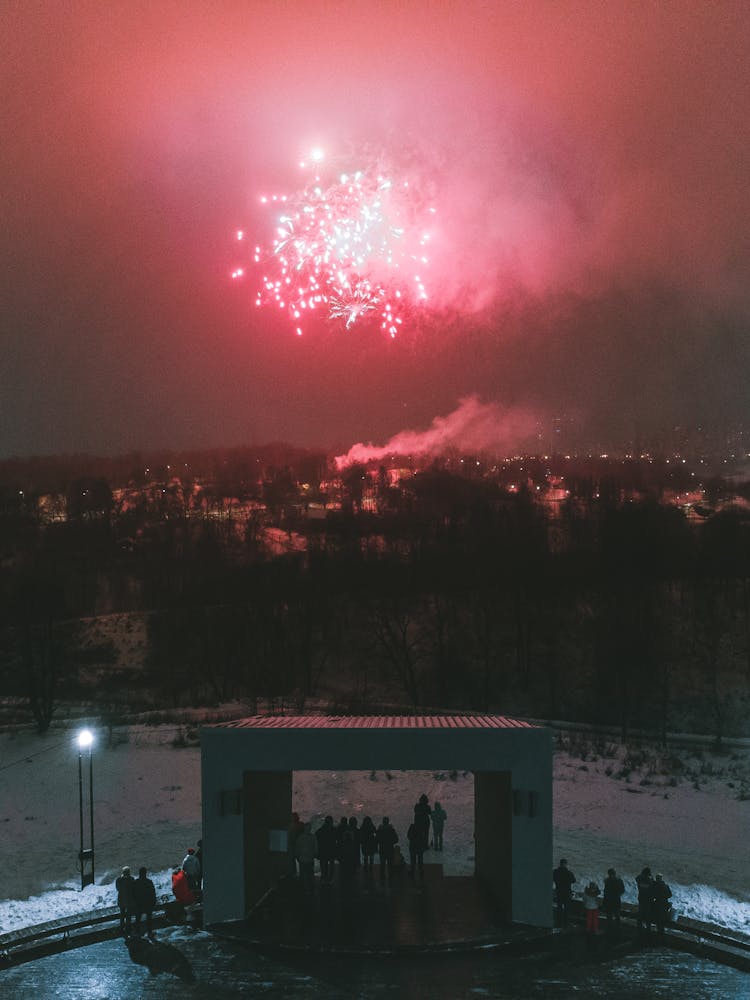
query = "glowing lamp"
{"x": 85, "y": 738}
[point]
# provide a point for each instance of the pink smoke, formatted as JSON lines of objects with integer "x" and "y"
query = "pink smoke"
{"x": 472, "y": 427}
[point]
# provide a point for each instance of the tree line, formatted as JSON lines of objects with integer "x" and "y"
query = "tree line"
{"x": 455, "y": 594}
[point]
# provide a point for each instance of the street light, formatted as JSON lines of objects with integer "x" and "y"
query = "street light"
{"x": 85, "y": 739}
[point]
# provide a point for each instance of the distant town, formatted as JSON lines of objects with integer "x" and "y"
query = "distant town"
{"x": 281, "y": 485}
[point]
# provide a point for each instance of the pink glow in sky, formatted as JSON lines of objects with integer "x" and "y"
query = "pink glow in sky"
{"x": 588, "y": 162}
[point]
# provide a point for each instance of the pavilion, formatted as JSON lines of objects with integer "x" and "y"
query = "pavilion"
{"x": 246, "y": 776}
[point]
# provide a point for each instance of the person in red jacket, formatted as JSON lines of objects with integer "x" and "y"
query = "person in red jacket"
{"x": 181, "y": 887}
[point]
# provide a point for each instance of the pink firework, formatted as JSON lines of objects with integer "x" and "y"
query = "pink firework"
{"x": 349, "y": 248}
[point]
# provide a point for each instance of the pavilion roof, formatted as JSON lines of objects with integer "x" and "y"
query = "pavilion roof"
{"x": 377, "y": 722}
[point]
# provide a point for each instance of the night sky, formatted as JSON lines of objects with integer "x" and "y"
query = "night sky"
{"x": 591, "y": 176}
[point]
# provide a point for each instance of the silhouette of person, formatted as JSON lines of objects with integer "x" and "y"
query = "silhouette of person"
{"x": 326, "y": 837}
{"x": 564, "y": 880}
{"x": 660, "y": 895}
{"x": 439, "y": 816}
{"x": 387, "y": 840}
{"x": 295, "y": 828}
{"x": 645, "y": 902}
{"x": 341, "y": 829}
{"x": 305, "y": 847}
{"x": 124, "y": 887}
{"x": 199, "y": 856}
{"x": 356, "y": 833}
{"x": 369, "y": 842}
{"x": 348, "y": 857}
{"x": 422, "y": 815}
{"x": 144, "y": 901}
{"x": 614, "y": 887}
{"x": 415, "y": 836}
{"x": 192, "y": 868}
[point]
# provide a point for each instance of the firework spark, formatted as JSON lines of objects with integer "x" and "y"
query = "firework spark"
{"x": 347, "y": 248}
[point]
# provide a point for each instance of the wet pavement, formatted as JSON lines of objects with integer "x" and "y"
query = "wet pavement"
{"x": 654, "y": 975}
{"x": 191, "y": 963}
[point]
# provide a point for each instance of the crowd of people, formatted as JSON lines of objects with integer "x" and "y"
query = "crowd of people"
{"x": 653, "y": 901}
{"x": 136, "y": 897}
{"x": 350, "y": 845}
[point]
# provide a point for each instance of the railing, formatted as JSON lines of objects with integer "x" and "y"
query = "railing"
{"x": 28, "y": 943}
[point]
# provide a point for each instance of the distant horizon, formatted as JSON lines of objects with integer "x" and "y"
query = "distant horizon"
{"x": 155, "y": 454}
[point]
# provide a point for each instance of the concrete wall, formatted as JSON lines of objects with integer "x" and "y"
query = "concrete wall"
{"x": 493, "y": 835}
{"x": 227, "y": 753}
{"x": 266, "y": 805}
{"x": 532, "y": 834}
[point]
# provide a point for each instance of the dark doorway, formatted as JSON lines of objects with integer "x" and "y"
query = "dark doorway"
{"x": 493, "y": 825}
{"x": 267, "y": 797}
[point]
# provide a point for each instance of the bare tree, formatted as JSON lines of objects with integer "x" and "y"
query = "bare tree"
{"x": 397, "y": 634}
{"x": 44, "y": 655}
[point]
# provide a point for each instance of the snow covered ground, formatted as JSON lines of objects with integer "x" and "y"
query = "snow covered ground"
{"x": 687, "y": 817}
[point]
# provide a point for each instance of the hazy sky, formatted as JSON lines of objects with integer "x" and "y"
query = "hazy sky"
{"x": 590, "y": 170}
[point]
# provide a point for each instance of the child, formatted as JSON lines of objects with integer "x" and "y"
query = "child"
{"x": 591, "y": 908}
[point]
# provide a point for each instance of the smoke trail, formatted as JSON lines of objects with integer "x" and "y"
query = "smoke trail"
{"x": 473, "y": 426}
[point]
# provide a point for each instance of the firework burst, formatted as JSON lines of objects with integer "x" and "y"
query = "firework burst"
{"x": 348, "y": 248}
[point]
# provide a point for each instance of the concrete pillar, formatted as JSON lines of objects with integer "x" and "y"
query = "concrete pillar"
{"x": 493, "y": 832}
{"x": 267, "y": 806}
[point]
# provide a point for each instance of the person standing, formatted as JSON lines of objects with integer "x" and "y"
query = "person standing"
{"x": 614, "y": 887}
{"x": 357, "y": 835}
{"x": 368, "y": 842}
{"x": 591, "y": 909}
{"x": 295, "y": 828}
{"x": 439, "y": 816}
{"x": 422, "y": 815}
{"x": 192, "y": 868}
{"x": 326, "y": 837}
{"x": 124, "y": 887}
{"x": 387, "y": 840}
{"x": 415, "y": 836}
{"x": 305, "y": 847}
{"x": 199, "y": 856}
{"x": 144, "y": 901}
{"x": 341, "y": 828}
{"x": 181, "y": 888}
{"x": 645, "y": 902}
{"x": 660, "y": 895}
{"x": 564, "y": 880}
{"x": 348, "y": 858}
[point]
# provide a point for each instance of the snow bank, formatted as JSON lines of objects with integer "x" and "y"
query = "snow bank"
{"x": 67, "y": 901}
{"x": 704, "y": 903}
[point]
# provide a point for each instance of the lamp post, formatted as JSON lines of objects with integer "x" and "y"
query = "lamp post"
{"x": 85, "y": 740}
